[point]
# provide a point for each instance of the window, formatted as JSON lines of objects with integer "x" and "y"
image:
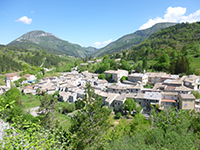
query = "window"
{"x": 163, "y": 97}
{"x": 172, "y": 97}
{"x": 118, "y": 103}
{"x": 115, "y": 103}
{"x": 140, "y": 103}
{"x": 185, "y": 105}
{"x": 185, "y": 100}
{"x": 191, "y": 100}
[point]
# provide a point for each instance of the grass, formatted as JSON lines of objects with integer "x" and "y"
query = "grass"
{"x": 65, "y": 121}
{"x": 29, "y": 101}
{"x": 196, "y": 62}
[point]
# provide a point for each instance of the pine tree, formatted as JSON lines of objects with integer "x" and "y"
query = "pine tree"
{"x": 91, "y": 122}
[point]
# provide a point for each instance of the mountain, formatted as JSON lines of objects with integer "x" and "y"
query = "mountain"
{"x": 130, "y": 40}
{"x": 40, "y": 40}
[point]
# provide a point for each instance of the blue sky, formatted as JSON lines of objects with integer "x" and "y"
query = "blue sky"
{"x": 90, "y": 22}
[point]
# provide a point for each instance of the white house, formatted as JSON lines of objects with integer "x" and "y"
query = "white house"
{"x": 116, "y": 74}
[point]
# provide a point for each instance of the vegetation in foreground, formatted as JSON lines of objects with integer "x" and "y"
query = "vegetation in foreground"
{"x": 94, "y": 127}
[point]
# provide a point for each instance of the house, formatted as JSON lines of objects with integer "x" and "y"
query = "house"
{"x": 135, "y": 77}
{"x": 148, "y": 98}
{"x": 84, "y": 64}
{"x": 119, "y": 101}
{"x": 64, "y": 96}
{"x": 154, "y": 77}
{"x": 30, "y": 78}
{"x": 51, "y": 90}
{"x": 175, "y": 83}
{"x": 13, "y": 77}
{"x": 4, "y": 89}
{"x": 72, "y": 98}
{"x": 29, "y": 89}
{"x": 192, "y": 81}
{"x": 116, "y": 74}
{"x": 90, "y": 61}
{"x": 169, "y": 99}
{"x": 186, "y": 101}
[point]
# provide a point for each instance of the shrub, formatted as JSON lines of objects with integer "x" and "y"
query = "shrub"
{"x": 123, "y": 78}
{"x": 118, "y": 115}
{"x": 80, "y": 104}
{"x": 102, "y": 76}
{"x": 70, "y": 108}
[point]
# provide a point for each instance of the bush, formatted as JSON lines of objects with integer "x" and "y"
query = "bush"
{"x": 123, "y": 78}
{"x": 80, "y": 104}
{"x": 69, "y": 108}
{"x": 102, "y": 76}
{"x": 118, "y": 115}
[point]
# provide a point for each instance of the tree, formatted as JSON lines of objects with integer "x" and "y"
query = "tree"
{"x": 102, "y": 76}
{"x": 80, "y": 104}
{"x": 118, "y": 115}
{"x": 91, "y": 122}
{"x": 138, "y": 68}
{"x": 196, "y": 94}
{"x": 129, "y": 104}
{"x": 47, "y": 109}
{"x": 144, "y": 64}
{"x": 123, "y": 78}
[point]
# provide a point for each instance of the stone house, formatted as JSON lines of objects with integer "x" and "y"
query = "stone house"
{"x": 29, "y": 89}
{"x": 186, "y": 101}
{"x": 143, "y": 78}
{"x": 116, "y": 74}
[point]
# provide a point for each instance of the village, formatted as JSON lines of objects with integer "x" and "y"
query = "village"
{"x": 166, "y": 90}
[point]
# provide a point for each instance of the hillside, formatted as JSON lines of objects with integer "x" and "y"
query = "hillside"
{"x": 13, "y": 59}
{"x": 40, "y": 40}
{"x": 130, "y": 40}
{"x": 175, "y": 49}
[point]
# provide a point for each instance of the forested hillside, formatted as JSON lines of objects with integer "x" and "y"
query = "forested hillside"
{"x": 18, "y": 59}
{"x": 175, "y": 49}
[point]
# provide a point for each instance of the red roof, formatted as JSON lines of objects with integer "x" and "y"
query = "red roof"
{"x": 11, "y": 75}
{"x": 28, "y": 87}
{"x": 27, "y": 75}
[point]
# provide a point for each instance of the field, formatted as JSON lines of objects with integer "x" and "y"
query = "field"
{"x": 30, "y": 101}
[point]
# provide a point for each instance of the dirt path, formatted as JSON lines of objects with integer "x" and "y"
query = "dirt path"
{"x": 33, "y": 111}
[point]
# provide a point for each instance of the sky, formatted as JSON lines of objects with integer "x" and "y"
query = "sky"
{"x": 90, "y": 22}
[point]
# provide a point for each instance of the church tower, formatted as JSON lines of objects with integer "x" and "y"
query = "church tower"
{"x": 7, "y": 82}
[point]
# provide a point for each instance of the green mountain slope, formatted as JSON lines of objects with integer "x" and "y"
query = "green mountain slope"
{"x": 40, "y": 40}
{"x": 130, "y": 40}
{"x": 175, "y": 49}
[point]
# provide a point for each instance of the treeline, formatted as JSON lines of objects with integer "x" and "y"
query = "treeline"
{"x": 7, "y": 64}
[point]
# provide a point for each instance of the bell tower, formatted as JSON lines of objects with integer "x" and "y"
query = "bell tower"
{"x": 7, "y": 82}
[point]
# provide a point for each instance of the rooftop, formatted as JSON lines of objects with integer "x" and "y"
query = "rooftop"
{"x": 187, "y": 96}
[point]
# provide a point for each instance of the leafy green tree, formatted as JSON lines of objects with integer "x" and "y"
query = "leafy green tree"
{"x": 138, "y": 68}
{"x": 123, "y": 78}
{"x": 80, "y": 104}
{"x": 118, "y": 115}
{"x": 70, "y": 108}
{"x": 129, "y": 104}
{"x": 144, "y": 64}
{"x": 102, "y": 76}
{"x": 90, "y": 123}
{"x": 196, "y": 94}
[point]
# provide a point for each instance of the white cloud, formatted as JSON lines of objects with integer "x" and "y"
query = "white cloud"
{"x": 173, "y": 14}
{"x": 100, "y": 45}
{"x": 24, "y": 20}
{"x": 32, "y": 11}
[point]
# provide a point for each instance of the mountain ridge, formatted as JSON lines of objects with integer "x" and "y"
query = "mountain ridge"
{"x": 130, "y": 40}
{"x": 39, "y": 39}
